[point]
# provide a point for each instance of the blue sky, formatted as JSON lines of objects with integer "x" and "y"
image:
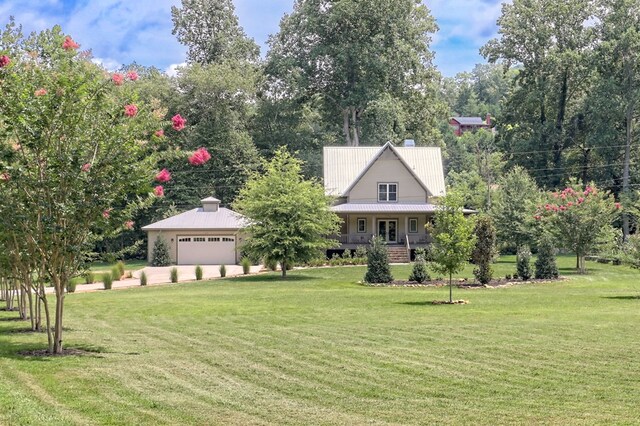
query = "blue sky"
{"x": 120, "y": 32}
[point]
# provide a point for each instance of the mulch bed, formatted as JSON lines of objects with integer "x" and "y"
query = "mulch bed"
{"x": 464, "y": 284}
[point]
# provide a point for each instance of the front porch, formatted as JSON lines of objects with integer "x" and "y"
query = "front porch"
{"x": 398, "y": 230}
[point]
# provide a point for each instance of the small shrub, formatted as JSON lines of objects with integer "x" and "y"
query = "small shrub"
{"x": 545, "y": 264}
{"x": 115, "y": 273}
{"x": 143, "y": 278}
{"x": 515, "y": 275}
{"x": 271, "y": 264}
{"x": 161, "y": 255}
{"x": 419, "y": 272}
{"x": 361, "y": 252}
{"x": 128, "y": 274}
{"x": 246, "y": 265}
{"x": 174, "y": 274}
{"x": 335, "y": 260}
{"x": 523, "y": 263}
{"x": 107, "y": 280}
{"x": 346, "y": 254}
{"x": 484, "y": 250}
{"x": 120, "y": 266}
{"x": 378, "y": 270}
{"x": 223, "y": 271}
{"x": 71, "y": 287}
{"x": 507, "y": 277}
{"x": 89, "y": 277}
{"x": 198, "y": 273}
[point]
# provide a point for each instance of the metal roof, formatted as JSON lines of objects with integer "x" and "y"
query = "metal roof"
{"x": 344, "y": 165}
{"x": 383, "y": 208}
{"x": 470, "y": 121}
{"x": 200, "y": 220}
{"x": 389, "y": 208}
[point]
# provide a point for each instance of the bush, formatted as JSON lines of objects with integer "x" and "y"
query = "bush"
{"x": 161, "y": 255}
{"x": 115, "y": 273}
{"x": 107, "y": 280}
{"x": 89, "y": 277}
{"x": 120, "y": 266}
{"x": 484, "y": 250}
{"x": 546, "y": 267}
{"x": 271, "y": 264}
{"x": 198, "y": 273}
{"x": 419, "y": 272}
{"x": 335, "y": 260}
{"x": 507, "y": 277}
{"x": 361, "y": 252}
{"x": 174, "y": 274}
{"x": 143, "y": 278}
{"x": 71, "y": 287}
{"x": 378, "y": 270}
{"x": 523, "y": 263}
{"x": 246, "y": 265}
{"x": 223, "y": 271}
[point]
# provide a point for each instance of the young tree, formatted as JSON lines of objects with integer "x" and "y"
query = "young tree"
{"x": 289, "y": 217}
{"x": 545, "y": 264}
{"x": 76, "y": 152}
{"x": 453, "y": 238}
{"x": 523, "y": 263}
{"x": 378, "y": 270}
{"x": 484, "y": 250}
{"x": 580, "y": 219}
{"x": 161, "y": 255}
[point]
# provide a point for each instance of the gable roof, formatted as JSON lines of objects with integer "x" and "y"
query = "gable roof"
{"x": 344, "y": 166}
{"x": 470, "y": 121}
{"x": 199, "y": 219}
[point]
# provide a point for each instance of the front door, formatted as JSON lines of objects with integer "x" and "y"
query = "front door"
{"x": 388, "y": 230}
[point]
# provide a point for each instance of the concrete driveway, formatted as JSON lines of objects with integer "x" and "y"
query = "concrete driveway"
{"x": 162, "y": 275}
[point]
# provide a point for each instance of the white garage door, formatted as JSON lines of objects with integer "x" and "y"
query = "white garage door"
{"x": 206, "y": 250}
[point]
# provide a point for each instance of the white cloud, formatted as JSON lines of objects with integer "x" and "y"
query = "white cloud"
{"x": 108, "y": 63}
{"x": 172, "y": 70}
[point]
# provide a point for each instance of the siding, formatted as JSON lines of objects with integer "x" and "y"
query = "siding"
{"x": 388, "y": 168}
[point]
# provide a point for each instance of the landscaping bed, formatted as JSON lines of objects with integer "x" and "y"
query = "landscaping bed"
{"x": 462, "y": 283}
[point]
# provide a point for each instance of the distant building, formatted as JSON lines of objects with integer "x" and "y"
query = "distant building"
{"x": 469, "y": 124}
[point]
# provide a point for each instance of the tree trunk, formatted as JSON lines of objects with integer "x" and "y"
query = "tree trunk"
{"x": 283, "y": 266}
{"x": 354, "y": 125}
{"x": 57, "y": 340}
{"x": 450, "y": 289}
{"x": 345, "y": 126}
{"x": 627, "y": 162}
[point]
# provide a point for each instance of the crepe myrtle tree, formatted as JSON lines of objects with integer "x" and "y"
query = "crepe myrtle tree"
{"x": 77, "y": 152}
{"x": 580, "y": 219}
{"x": 289, "y": 217}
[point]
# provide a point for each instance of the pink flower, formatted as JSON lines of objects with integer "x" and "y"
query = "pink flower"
{"x": 130, "y": 110}
{"x": 5, "y": 177}
{"x": 69, "y": 44}
{"x": 129, "y": 224}
{"x": 537, "y": 217}
{"x": 580, "y": 200}
{"x": 159, "y": 191}
{"x": 563, "y": 208}
{"x": 132, "y": 75}
{"x": 117, "y": 79}
{"x": 40, "y": 92}
{"x": 106, "y": 213}
{"x": 86, "y": 167}
{"x": 178, "y": 122}
{"x": 618, "y": 206}
{"x": 555, "y": 195}
{"x": 199, "y": 157}
{"x": 163, "y": 176}
{"x": 4, "y": 61}
{"x": 547, "y": 207}
{"x": 569, "y": 204}
{"x": 159, "y": 133}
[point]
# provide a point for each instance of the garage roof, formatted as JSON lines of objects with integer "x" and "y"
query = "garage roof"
{"x": 198, "y": 219}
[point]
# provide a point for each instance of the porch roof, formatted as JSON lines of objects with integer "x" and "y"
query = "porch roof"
{"x": 383, "y": 208}
{"x": 389, "y": 208}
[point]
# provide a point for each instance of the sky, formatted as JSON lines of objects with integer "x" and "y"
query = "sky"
{"x": 120, "y": 32}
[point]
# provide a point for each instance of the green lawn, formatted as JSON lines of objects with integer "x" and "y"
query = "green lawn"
{"x": 320, "y": 349}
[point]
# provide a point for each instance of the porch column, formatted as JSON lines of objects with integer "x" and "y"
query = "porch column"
{"x": 406, "y": 227}
{"x": 348, "y": 239}
{"x": 374, "y": 226}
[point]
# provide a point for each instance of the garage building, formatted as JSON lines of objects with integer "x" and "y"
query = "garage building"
{"x": 207, "y": 235}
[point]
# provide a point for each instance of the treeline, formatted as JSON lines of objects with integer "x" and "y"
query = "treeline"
{"x": 561, "y": 85}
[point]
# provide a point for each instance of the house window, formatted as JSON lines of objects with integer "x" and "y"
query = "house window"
{"x": 227, "y": 240}
{"x": 199, "y": 239}
{"x": 362, "y": 225}
{"x": 413, "y": 225}
{"x": 388, "y": 192}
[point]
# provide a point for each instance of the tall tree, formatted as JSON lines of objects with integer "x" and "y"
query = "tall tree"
{"x": 619, "y": 64}
{"x": 550, "y": 40}
{"x": 368, "y": 62}
{"x": 289, "y": 217}
{"x": 211, "y": 32}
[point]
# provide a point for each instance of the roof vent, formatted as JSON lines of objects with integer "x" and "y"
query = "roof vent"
{"x": 210, "y": 204}
{"x": 409, "y": 143}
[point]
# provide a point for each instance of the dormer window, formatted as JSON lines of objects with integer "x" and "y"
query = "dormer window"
{"x": 387, "y": 192}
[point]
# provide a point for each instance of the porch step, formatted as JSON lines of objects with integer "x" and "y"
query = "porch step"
{"x": 398, "y": 255}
